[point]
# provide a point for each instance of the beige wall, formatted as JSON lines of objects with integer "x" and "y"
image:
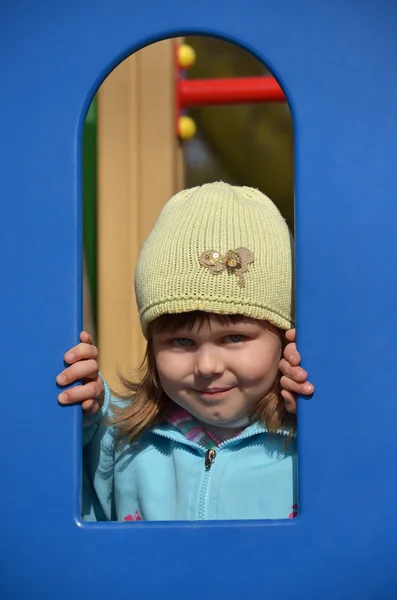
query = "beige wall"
{"x": 139, "y": 169}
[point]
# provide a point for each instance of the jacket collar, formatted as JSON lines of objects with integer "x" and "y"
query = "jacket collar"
{"x": 167, "y": 430}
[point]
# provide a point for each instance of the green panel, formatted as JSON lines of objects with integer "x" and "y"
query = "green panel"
{"x": 90, "y": 202}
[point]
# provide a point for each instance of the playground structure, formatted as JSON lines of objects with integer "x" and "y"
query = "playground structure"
{"x": 203, "y": 92}
{"x": 342, "y": 543}
{"x": 139, "y": 167}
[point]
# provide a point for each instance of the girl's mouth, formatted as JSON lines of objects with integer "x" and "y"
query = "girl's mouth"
{"x": 213, "y": 392}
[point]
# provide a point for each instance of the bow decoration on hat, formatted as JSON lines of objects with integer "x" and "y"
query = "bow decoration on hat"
{"x": 234, "y": 261}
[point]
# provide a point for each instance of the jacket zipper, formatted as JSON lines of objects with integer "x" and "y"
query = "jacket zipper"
{"x": 209, "y": 459}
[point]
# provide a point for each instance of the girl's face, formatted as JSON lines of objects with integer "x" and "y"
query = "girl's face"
{"x": 218, "y": 372}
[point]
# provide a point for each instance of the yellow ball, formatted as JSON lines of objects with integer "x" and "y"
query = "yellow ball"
{"x": 186, "y": 56}
{"x": 186, "y": 128}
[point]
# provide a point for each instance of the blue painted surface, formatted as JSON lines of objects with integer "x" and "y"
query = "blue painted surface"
{"x": 336, "y": 63}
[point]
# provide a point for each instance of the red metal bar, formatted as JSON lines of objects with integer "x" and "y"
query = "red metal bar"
{"x": 237, "y": 90}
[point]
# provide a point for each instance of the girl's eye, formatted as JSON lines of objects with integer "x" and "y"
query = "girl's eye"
{"x": 234, "y": 339}
{"x": 182, "y": 342}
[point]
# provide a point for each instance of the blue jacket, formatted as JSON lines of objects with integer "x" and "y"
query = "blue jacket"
{"x": 165, "y": 477}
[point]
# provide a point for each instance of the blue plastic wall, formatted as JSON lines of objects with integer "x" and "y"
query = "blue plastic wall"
{"x": 337, "y": 64}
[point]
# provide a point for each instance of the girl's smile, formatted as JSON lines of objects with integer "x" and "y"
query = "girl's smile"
{"x": 214, "y": 392}
{"x": 218, "y": 371}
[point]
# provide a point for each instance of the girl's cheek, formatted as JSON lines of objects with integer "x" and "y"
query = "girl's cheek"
{"x": 258, "y": 368}
{"x": 162, "y": 365}
{"x": 172, "y": 366}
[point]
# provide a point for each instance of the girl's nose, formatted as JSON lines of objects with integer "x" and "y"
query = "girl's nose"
{"x": 208, "y": 362}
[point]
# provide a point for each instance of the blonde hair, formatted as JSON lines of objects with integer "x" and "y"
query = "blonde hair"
{"x": 148, "y": 404}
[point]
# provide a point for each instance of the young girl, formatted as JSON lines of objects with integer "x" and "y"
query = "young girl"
{"x": 203, "y": 432}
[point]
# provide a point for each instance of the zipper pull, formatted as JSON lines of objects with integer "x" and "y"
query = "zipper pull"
{"x": 209, "y": 458}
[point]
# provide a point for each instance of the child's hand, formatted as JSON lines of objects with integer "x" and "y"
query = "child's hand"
{"x": 294, "y": 379}
{"x": 84, "y": 366}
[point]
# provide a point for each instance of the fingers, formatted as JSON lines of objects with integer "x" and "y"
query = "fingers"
{"x": 289, "y": 401}
{"x": 90, "y": 407}
{"x": 289, "y": 385}
{"x": 82, "y": 359}
{"x": 81, "y": 393}
{"x": 290, "y": 335}
{"x": 290, "y": 352}
{"x": 82, "y": 351}
{"x": 292, "y": 355}
{"x": 83, "y": 369}
{"x": 85, "y": 337}
{"x": 295, "y": 373}
{"x": 294, "y": 378}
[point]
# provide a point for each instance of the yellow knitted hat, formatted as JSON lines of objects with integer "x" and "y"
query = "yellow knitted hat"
{"x": 221, "y": 249}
